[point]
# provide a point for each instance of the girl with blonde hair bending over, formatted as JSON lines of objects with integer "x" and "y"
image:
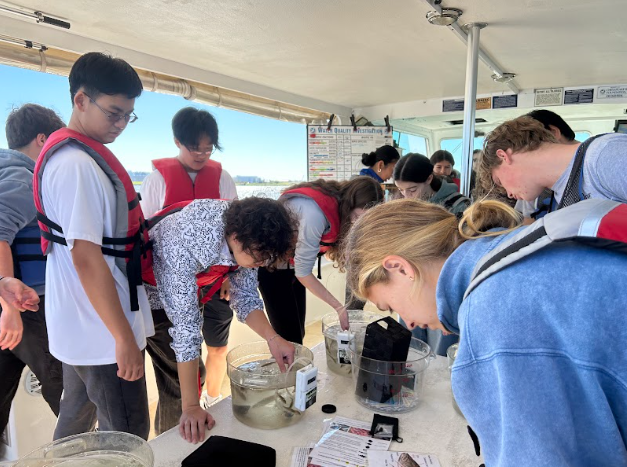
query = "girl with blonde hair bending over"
{"x": 528, "y": 356}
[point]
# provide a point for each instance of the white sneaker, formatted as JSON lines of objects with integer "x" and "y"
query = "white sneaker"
{"x": 207, "y": 401}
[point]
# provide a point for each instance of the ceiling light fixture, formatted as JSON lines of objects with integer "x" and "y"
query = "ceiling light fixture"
{"x": 446, "y": 17}
{"x": 38, "y": 16}
{"x": 503, "y": 78}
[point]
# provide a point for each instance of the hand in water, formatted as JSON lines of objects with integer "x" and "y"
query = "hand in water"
{"x": 282, "y": 351}
{"x": 342, "y": 314}
{"x": 18, "y": 295}
{"x": 193, "y": 423}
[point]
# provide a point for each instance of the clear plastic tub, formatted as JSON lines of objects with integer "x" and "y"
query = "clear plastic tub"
{"x": 451, "y": 355}
{"x": 390, "y": 387}
{"x": 262, "y": 396}
{"x": 338, "y": 361}
{"x": 98, "y": 449}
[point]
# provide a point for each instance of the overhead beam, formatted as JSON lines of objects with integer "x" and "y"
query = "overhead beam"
{"x": 62, "y": 39}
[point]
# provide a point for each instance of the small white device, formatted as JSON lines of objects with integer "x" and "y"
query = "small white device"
{"x": 306, "y": 387}
{"x": 343, "y": 341}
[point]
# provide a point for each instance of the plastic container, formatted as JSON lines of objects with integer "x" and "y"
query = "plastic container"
{"x": 451, "y": 354}
{"x": 262, "y": 396}
{"x": 98, "y": 449}
{"x": 338, "y": 360}
{"x": 390, "y": 387}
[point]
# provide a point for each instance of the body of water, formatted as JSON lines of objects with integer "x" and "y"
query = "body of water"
{"x": 269, "y": 191}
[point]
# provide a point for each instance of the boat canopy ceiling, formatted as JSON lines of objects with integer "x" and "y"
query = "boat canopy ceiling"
{"x": 338, "y": 55}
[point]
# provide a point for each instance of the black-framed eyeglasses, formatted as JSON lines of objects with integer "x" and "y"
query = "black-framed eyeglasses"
{"x": 115, "y": 117}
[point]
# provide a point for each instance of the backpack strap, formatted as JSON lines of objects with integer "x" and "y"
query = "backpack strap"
{"x": 453, "y": 200}
{"x": 573, "y": 192}
{"x": 595, "y": 222}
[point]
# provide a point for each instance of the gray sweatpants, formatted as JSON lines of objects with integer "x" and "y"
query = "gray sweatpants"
{"x": 95, "y": 393}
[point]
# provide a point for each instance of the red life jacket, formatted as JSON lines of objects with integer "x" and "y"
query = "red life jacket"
{"x": 130, "y": 239}
{"x": 179, "y": 185}
{"x": 214, "y": 275}
{"x": 330, "y": 208}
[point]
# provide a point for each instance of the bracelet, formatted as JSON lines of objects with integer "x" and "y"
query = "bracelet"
{"x": 339, "y": 308}
{"x": 3, "y": 277}
{"x": 272, "y": 338}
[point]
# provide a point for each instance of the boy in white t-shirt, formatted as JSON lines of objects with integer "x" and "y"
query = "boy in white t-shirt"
{"x": 91, "y": 326}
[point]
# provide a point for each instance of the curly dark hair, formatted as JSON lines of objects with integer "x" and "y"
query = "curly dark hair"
{"x": 265, "y": 228}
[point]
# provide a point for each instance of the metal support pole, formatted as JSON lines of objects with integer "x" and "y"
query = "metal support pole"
{"x": 472, "y": 59}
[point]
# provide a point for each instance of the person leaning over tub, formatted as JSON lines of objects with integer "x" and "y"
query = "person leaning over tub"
{"x": 525, "y": 360}
{"x": 325, "y": 210}
{"x": 415, "y": 179}
{"x": 380, "y": 163}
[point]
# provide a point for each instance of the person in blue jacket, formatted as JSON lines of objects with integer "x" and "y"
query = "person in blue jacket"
{"x": 23, "y": 336}
{"x": 541, "y": 370}
{"x": 380, "y": 163}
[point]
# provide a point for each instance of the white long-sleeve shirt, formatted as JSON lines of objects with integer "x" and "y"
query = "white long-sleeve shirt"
{"x": 184, "y": 244}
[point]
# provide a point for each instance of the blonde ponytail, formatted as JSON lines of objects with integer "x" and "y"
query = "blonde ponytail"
{"x": 417, "y": 231}
{"x": 487, "y": 214}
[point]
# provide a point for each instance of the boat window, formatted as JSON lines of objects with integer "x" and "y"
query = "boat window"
{"x": 582, "y": 135}
{"x": 410, "y": 143}
{"x": 454, "y": 146}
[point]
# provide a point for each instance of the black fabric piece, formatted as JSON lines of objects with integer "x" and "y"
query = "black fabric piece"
{"x": 379, "y": 420}
{"x": 48, "y": 223}
{"x": 448, "y": 203}
{"x": 571, "y": 193}
{"x": 30, "y": 258}
{"x": 221, "y": 451}
{"x": 26, "y": 241}
{"x": 329, "y": 408}
{"x": 122, "y": 240}
{"x": 382, "y": 373}
{"x": 53, "y": 238}
{"x": 286, "y": 301}
{"x": 133, "y": 203}
{"x": 475, "y": 440}
{"x": 514, "y": 247}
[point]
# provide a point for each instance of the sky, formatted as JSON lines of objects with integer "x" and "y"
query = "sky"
{"x": 252, "y": 145}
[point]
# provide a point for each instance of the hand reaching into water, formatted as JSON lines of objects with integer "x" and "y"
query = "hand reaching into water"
{"x": 282, "y": 351}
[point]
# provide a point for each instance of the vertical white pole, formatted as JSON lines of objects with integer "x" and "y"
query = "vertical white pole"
{"x": 472, "y": 58}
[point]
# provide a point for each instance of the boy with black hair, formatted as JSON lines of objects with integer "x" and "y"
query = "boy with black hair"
{"x": 555, "y": 124}
{"x": 210, "y": 240}
{"x": 190, "y": 175}
{"x": 98, "y": 312}
{"x": 23, "y": 337}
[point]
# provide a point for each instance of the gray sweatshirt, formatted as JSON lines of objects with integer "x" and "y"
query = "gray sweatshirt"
{"x": 17, "y": 208}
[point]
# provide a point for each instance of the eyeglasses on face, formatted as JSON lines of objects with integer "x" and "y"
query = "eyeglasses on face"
{"x": 196, "y": 152}
{"x": 115, "y": 117}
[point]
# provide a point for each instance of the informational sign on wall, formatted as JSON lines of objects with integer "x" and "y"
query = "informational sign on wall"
{"x": 579, "y": 96}
{"x": 507, "y": 101}
{"x": 612, "y": 92}
{"x": 548, "y": 96}
{"x": 335, "y": 153}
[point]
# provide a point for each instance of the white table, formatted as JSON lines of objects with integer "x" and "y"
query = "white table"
{"x": 434, "y": 427}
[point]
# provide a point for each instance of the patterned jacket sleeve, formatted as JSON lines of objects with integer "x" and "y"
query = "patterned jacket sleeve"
{"x": 184, "y": 245}
{"x": 244, "y": 295}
